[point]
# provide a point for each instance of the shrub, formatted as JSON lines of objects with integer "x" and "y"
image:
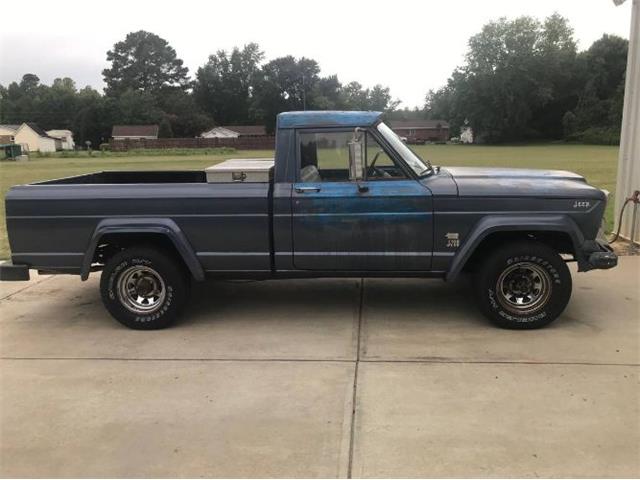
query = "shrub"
{"x": 600, "y": 136}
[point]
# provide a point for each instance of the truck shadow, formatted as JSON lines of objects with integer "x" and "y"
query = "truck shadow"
{"x": 423, "y": 299}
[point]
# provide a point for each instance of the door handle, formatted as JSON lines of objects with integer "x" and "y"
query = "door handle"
{"x": 307, "y": 189}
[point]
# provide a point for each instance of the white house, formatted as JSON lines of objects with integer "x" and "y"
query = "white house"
{"x": 8, "y": 133}
{"x": 219, "y": 132}
{"x": 65, "y": 137}
{"x": 34, "y": 139}
{"x": 235, "y": 131}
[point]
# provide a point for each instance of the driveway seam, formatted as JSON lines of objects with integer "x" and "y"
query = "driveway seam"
{"x": 27, "y": 287}
{"x": 321, "y": 360}
{"x": 355, "y": 383}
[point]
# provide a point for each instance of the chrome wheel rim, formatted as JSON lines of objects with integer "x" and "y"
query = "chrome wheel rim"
{"x": 523, "y": 288}
{"x": 141, "y": 289}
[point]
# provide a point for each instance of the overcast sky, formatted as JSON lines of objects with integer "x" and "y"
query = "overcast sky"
{"x": 410, "y": 46}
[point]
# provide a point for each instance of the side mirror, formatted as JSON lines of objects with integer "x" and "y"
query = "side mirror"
{"x": 356, "y": 156}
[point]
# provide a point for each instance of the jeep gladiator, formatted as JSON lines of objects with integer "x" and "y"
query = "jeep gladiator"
{"x": 344, "y": 197}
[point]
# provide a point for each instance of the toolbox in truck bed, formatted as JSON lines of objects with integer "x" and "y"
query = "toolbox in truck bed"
{"x": 250, "y": 170}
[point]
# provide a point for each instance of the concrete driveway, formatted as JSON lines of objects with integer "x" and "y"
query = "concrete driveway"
{"x": 320, "y": 378}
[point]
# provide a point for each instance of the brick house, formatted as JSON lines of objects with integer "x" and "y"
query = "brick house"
{"x": 421, "y": 131}
{"x": 135, "y": 132}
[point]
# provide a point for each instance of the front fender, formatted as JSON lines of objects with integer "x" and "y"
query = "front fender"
{"x": 162, "y": 226}
{"x": 508, "y": 223}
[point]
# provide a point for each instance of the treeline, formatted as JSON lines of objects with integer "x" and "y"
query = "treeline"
{"x": 522, "y": 80}
{"x": 525, "y": 80}
{"x": 147, "y": 83}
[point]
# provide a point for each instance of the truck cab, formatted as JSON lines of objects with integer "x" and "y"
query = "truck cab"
{"x": 354, "y": 197}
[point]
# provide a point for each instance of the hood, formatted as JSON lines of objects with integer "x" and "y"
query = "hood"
{"x": 492, "y": 182}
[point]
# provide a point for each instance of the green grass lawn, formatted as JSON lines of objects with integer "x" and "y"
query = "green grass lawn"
{"x": 597, "y": 163}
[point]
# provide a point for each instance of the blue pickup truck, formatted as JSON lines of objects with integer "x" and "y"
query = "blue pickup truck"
{"x": 344, "y": 197}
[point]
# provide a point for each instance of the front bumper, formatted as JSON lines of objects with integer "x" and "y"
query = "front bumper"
{"x": 13, "y": 273}
{"x": 598, "y": 255}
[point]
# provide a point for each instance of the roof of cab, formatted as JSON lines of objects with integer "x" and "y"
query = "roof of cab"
{"x": 327, "y": 118}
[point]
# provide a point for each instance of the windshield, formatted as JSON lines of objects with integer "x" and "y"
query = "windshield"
{"x": 413, "y": 160}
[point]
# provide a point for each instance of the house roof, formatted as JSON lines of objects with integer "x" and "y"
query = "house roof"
{"x": 327, "y": 119}
{"x": 59, "y": 132}
{"x": 135, "y": 131}
{"x": 40, "y": 132}
{"x": 257, "y": 130}
{"x": 10, "y": 126}
{"x": 418, "y": 124}
{"x": 219, "y": 132}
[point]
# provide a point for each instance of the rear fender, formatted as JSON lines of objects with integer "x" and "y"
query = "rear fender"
{"x": 160, "y": 226}
{"x": 507, "y": 223}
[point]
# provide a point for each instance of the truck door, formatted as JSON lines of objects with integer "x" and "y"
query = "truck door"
{"x": 383, "y": 223}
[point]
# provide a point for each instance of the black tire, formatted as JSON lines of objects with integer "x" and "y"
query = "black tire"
{"x": 524, "y": 285}
{"x": 144, "y": 288}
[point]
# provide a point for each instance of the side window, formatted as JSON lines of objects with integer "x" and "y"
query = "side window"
{"x": 380, "y": 166}
{"x": 324, "y": 157}
{"x": 376, "y": 155}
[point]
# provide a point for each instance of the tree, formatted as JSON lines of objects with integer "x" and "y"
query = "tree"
{"x": 20, "y": 101}
{"x": 144, "y": 62}
{"x": 513, "y": 77}
{"x": 223, "y": 85}
{"x": 283, "y": 84}
{"x": 600, "y": 103}
{"x": 379, "y": 98}
{"x": 325, "y": 94}
{"x": 355, "y": 97}
{"x": 136, "y": 107}
{"x": 57, "y": 105}
{"x": 94, "y": 118}
{"x": 560, "y": 74}
{"x": 3, "y": 103}
{"x": 164, "y": 129}
{"x": 523, "y": 79}
{"x": 184, "y": 116}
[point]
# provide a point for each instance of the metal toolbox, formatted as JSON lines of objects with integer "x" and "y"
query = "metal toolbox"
{"x": 247, "y": 170}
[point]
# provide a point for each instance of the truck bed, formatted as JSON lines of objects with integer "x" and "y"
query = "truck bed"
{"x": 227, "y": 225}
{"x": 131, "y": 177}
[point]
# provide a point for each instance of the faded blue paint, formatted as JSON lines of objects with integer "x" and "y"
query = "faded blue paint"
{"x": 327, "y": 118}
{"x": 391, "y": 216}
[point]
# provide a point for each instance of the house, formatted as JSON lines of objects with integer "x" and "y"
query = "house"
{"x": 65, "y": 137}
{"x": 34, "y": 139}
{"x": 420, "y": 131}
{"x": 134, "y": 132}
{"x": 235, "y": 131}
{"x": 8, "y": 133}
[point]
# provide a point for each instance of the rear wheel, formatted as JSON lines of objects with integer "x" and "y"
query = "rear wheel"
{"x": 144, "y": 288}
{"x": 525, "y": 285}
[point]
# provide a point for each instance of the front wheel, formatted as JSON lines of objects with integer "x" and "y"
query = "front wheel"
{"x": 144, "y": 288}
{"x": 523, "y": 286}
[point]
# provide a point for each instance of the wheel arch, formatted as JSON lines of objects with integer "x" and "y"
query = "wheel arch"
{"x": 139, "y": 231}
{"x": 557, "y": 231}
